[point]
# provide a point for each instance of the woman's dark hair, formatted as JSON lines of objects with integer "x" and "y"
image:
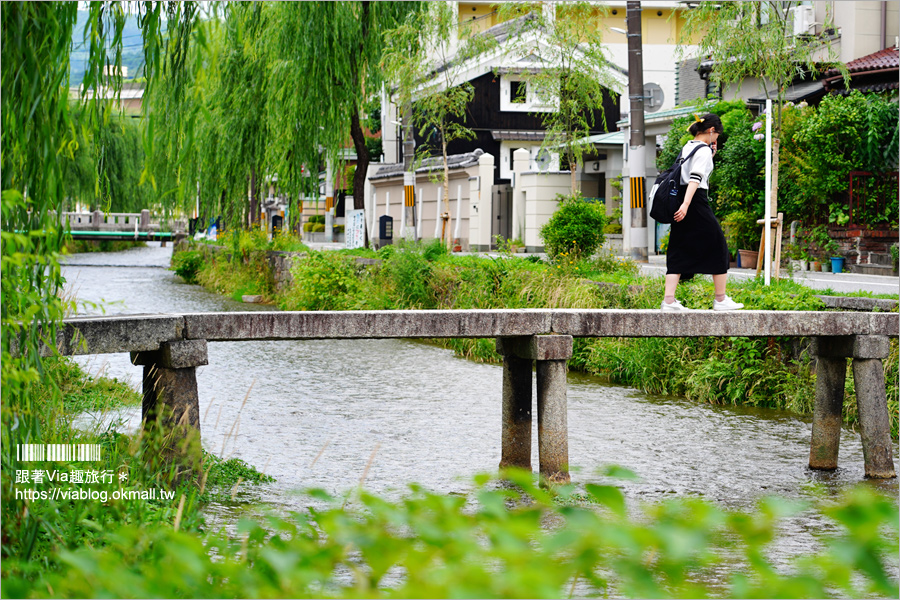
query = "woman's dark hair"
{"x": 708, "y": 120}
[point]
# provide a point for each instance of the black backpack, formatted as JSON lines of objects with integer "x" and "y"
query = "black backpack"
{"x": 667, "y": 192}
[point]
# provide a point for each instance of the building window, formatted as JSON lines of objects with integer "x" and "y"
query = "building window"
{"x": 518, "y": 91}
{"x": 517, "y": 95}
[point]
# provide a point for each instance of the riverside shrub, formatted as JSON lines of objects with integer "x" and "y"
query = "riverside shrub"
{"x": 495, "y": 543}
{"x": 575, "y": 230}
{"x": 187, "y": 264}
{"x": 324, "y": 281}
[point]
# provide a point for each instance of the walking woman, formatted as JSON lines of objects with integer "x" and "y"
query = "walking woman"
{"x": 696, "y": 241}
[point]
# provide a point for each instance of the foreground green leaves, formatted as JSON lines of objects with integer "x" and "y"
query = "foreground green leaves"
{"x": 510, "y": 538}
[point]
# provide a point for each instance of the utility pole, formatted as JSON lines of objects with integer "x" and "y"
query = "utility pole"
{"x": 409, "y": 172}
{"x": 637, "y": 159}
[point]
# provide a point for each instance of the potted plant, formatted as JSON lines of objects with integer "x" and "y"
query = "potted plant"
{"x": 792, "y": 253}
{"x": 741, "y": 232}
{"x": 827, "y": 248}
{"x": 804, "y": 259}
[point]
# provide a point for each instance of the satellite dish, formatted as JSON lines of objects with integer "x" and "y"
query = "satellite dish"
{"x": 542, "y": 159}
{"x": 653, "y": 97}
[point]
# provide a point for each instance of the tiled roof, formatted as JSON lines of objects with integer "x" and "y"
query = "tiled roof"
{"x": 809, "y": 91}
{"x": 534, "y": 136}
{"x": 889, "y": 58}
{"x": 613, "y": 138}
{"x": 454, "y": 161}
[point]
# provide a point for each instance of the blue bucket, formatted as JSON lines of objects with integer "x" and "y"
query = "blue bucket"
{"x": 837, "y": 264}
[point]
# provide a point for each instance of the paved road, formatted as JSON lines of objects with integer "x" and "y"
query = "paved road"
{"x": 838, "y": 282}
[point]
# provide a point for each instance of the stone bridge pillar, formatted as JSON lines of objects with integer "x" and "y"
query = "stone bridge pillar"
{"x": 171, "y": 406}
{"x": 145, "y": 220}
{"x": 550, "y": 353}
{"x": 867, "y": 352}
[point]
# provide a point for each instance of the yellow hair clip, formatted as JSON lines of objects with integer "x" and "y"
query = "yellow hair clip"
{"x": 697, "y": 119}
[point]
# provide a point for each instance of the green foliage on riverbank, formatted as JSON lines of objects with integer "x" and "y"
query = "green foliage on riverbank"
{"x": 187, "y": 265}
{"x": 48, "y": 525}
{"x": 82, "y": 246}
{"x": 500, "y": 541}
{"x": 82, "y": 391}
{"x": 764, "y": 372}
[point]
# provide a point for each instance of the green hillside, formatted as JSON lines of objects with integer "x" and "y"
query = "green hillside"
{"x": 132, "y": 51}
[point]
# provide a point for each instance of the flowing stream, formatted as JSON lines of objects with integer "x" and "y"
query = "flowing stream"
{"x": 315, "y": 413}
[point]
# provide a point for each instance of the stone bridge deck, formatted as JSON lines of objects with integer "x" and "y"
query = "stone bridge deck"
{"x": 171, "y": 346}
{"x": 103, "y": 335}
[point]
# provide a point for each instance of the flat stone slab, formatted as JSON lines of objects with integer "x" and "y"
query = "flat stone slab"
{"x": 144, "y": 333}
{"x": 251, "y": 299}
{"x": 708, "y": 323}
{"x": 537, "y": 347}
{"x": 107, "y": 335}
{"x": 298, "y": 325}
{"x": 858, "y": 303}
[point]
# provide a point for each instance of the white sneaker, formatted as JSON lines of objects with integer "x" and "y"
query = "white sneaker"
{"x": 674, "y": 307}
{"x": 727, "y": 304}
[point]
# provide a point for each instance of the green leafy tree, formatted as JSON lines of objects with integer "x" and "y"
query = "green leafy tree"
{"x": 747, "y": 40}
{"x": 104, "y": 173}
{"x": 569, "y": 71}
{"x": 425, "y": 58}
{"x": 38, "y": 146}
{"x": 318, "y": 88}
{"x": 844, "y": 133}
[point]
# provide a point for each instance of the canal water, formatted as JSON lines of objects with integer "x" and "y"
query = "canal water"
{"x": 316, "y": 413}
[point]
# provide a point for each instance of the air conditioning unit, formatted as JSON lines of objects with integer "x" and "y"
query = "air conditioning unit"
{"x": 804, "y": 19}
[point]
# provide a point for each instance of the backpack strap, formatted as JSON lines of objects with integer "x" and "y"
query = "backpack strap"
{"x": 693, "y": 152}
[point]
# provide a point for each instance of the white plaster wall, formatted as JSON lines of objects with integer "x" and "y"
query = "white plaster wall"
{"x": 430, "y": 209}
{"x": 660, "y": 62}
{"x": 861, "y": 25}
{"x": 541, "y": 190}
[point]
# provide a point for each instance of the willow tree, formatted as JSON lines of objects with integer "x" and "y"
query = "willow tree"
{"x": 229, "y": 87}
{"x": 170, "y": 106}
{"x": 323, "y": 69}
{"x": 425, "y": 59}
{"x": 566, "y": 68}
{"x": 38, "y": 144}
{"x": 754, "y": 40}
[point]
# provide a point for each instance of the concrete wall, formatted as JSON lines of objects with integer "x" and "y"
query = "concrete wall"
{"x": 386, "y": 198}
{"x": 861, "y": 26}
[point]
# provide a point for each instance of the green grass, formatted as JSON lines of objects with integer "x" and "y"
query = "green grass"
{"x": 84, "y": 392}
{"x": 43, "y": 530}
{"x": 859, "y": 294}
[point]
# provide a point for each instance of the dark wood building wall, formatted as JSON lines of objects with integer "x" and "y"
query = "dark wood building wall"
{"x": 483, "y": 115}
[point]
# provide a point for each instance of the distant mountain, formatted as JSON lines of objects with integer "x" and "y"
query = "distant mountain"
{"x": 132, "y": 49}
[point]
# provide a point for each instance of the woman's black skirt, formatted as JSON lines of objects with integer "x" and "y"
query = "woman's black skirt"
{"x": 697, "y": 244}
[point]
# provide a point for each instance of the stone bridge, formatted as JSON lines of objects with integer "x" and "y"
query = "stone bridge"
{"x": 171, "y": 346}
{"x": 99, "y": 225}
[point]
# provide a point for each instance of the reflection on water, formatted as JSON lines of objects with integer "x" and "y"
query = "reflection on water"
{"x": 435, "y": 418}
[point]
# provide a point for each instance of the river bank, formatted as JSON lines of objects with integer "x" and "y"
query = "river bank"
{"x": 774, "y": 373}
{"x": 72, "y": 502}
{"x": 361, "y": 419}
